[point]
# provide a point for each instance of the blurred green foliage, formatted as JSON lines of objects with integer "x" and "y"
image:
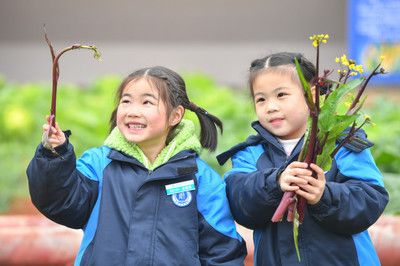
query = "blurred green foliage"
{"x": 86, "y": 112}
{"x": 385, "y": 133}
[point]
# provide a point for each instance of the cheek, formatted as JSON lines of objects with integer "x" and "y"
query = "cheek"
{"x": 119, "y": 114}
{"x": 259, "y": 111}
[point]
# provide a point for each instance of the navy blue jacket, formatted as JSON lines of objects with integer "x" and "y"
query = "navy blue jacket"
{"x": 334, "y": 229}
{"x": 126, "y": 214}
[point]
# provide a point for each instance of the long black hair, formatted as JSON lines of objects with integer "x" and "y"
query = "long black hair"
{"x": 172, "y": 91}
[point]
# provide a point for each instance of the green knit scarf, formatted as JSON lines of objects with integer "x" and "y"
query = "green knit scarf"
{"x": 184, "y": 139}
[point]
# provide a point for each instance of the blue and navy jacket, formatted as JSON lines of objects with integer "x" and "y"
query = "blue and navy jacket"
{"x": 127, "y": 216}
{"x": 334, "y": 231}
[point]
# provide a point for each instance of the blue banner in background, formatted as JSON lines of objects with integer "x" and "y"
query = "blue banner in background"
{"x": 374, "y": 31}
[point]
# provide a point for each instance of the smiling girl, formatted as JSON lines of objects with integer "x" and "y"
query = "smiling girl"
{"x": 144, "y": 197}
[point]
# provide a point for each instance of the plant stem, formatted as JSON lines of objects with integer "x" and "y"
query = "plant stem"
{"x": 364, "y": 85}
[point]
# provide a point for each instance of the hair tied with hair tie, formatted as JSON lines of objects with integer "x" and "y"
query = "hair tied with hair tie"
{"x": 201, "y": 110}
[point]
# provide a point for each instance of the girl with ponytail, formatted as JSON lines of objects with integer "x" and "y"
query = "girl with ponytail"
{"x": 144, "y": 197}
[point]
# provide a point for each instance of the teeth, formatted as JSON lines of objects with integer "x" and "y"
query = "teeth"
{"x": 136, "y": 126}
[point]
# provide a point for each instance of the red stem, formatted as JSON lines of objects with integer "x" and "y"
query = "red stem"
{"x": 286, "y": 200}
{"x": 55, "y": 81}
{"x": 361, "y": 91}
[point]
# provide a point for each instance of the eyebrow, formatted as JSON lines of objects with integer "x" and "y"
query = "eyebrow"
{"x": 142, "y": 95}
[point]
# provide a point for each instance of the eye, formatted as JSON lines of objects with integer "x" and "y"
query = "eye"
{"x": 282, "y": 94}
{"x": 124, "y": 101}
{"x": 260, "y": 99}
{"x": 148, "y": 102}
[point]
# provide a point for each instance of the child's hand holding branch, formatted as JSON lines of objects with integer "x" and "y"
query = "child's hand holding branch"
{"x": 312, "y": 188}
{"x": 297, "y": 178}
{"x": 52, "y": 136}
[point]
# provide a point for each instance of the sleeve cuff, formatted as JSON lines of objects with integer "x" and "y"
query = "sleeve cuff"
{"x": 321, "y": 207}
{"x": 61, "y": 149}
{"x": 271, "y": 183}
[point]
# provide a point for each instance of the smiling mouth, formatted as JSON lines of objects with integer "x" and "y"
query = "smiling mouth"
{"x": 136, "y": 126}
{"x": 275, "y": 120}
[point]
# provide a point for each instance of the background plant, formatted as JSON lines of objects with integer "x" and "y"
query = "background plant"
{"x": 85, "y": 111}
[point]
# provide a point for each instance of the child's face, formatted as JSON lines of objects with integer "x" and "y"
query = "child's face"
{"x": 280, "y": 105}
{"x": 142, "y": 115}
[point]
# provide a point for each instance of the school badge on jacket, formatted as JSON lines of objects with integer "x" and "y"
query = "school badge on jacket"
{"x": 182, "y": 199}
{"x": 180, "y": 192}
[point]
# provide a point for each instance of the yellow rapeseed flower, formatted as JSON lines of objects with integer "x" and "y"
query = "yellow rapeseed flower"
{"x": 318, "y": 39}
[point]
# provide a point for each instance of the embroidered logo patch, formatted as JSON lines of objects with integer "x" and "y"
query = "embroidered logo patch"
{"x": 182, "y": 199}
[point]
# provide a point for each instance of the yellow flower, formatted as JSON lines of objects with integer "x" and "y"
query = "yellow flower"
{"x": 337, "y": 60}
{"x": 359, "y": 69}
{"x": 318, "y": 39}
{"x": 344, "y": 60}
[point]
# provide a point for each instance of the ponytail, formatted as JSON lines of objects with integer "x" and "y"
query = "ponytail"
{"x": 208, "y": 126}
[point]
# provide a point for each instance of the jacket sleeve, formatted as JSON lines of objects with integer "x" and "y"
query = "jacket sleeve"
{"x": 357, "y": 198}
{"x": 253, "y": 194}
{"x": 219, "y": 242}
{"x": 60, "y": 191}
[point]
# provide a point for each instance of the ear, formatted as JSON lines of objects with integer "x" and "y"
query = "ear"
{"x": 313, "y": 90}
{"x": 176, "y": 115}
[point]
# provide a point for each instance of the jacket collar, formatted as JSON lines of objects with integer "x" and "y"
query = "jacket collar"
{"x": 182, "y": 163}
{"x": 183, "y": 138}
{"x": 267, "y": 137}
{"x": 270, "y": 139}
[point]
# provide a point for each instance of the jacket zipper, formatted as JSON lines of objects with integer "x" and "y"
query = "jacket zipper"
{"x": 153, "y": 237}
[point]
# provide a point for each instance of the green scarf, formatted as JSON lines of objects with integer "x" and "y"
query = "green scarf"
{"x": 184, "y": 138}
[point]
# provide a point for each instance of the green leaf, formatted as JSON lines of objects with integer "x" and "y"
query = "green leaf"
{"x": 326, "y": 118}
{"x": 342, "y": 122}
{"x": 304, "y": 83}
{"x": 324, "y": 160}
{"x": 296, "y": 224}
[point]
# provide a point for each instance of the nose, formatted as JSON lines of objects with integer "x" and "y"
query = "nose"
{"x": 272, "y": 106}
{"x": 134, "y": 111}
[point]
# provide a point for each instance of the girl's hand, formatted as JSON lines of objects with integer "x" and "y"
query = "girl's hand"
{"x": 291, "y": 178}
{"x": 55, "y": 138}
{"x": 313, "y": 188}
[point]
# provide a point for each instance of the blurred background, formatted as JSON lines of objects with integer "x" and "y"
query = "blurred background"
{"x": 211, "y": 43}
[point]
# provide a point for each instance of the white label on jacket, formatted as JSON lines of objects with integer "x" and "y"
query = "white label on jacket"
{"x": 180, "y": 187}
